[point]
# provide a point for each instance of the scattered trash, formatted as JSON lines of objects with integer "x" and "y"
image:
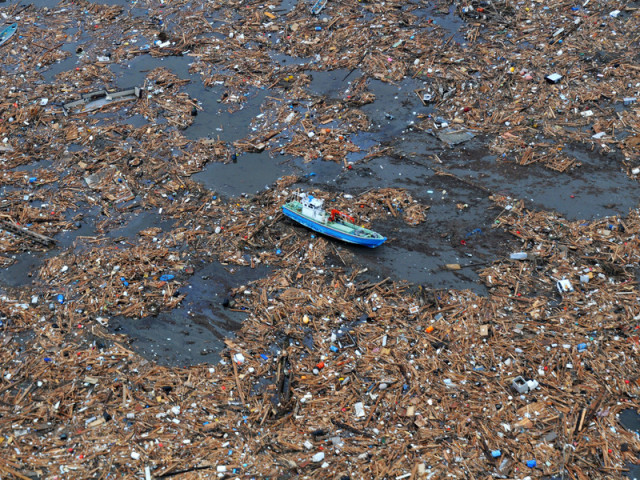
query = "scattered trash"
{"x": 564, "y": 286}
{"x": 523, "y": 386}
{"x": 553, "y": 78}
{"x": 333, "y": 369}
{"x": 89, "y": 102}
{"x": 454, "y": 136}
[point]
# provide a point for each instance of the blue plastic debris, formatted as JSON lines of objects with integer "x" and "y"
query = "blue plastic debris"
{"x": 582, "y": 347}
{"x": 333, "y": 348}
{"x": 496, "y": 453}
{"x": 60, "y": 298}
{"x": 33, "y": 179}
{"x": 531, "y": 463}
{"x": 166, "y": 278}
{"x": 264, "y": 357}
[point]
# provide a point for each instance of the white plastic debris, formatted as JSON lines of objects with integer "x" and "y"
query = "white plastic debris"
{"x": 519, "y": 384}
{"x": 359, "y": 409}
{"x": 318, "y": 457}
{"x": 554, "y": 78}
{"x": 564, "y": 286}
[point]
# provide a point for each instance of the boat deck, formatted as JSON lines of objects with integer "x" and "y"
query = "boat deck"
{"x": 340, "y": 229}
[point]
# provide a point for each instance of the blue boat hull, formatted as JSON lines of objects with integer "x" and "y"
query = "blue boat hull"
{"x": 8, "y": 32}
{"x": 325, "y": 230}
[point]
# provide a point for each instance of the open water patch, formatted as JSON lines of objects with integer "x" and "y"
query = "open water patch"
{"x": 630, "y": 419}
{"x": 332, "y": 84}
{"x": 449, "y": 21}
{"x": 395, "y": 109}
{"x": 194, "y": 332}
{"x": 133, "y": 223}
{"x": 251, "y": 173}
{"x": 228, "y": 122}
{"x": 593, "y": 190}
{"x": 135, "y": 71}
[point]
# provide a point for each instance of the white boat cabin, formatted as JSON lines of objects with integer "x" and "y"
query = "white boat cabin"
{"x": 312, "y": 208}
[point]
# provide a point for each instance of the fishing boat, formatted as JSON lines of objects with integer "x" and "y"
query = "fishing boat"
{"x": 318, "y": 6}
{"x": 8, "y": 32}
{"x": 309, "y": 212}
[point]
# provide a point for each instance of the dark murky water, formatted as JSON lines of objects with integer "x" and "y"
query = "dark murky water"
{"x": 251, "y": 173}
{"x": 195, "y": 331}
{"x": 630, "y": 419}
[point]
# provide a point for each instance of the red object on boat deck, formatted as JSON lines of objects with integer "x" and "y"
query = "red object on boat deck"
{"x": 335, "y": 213}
